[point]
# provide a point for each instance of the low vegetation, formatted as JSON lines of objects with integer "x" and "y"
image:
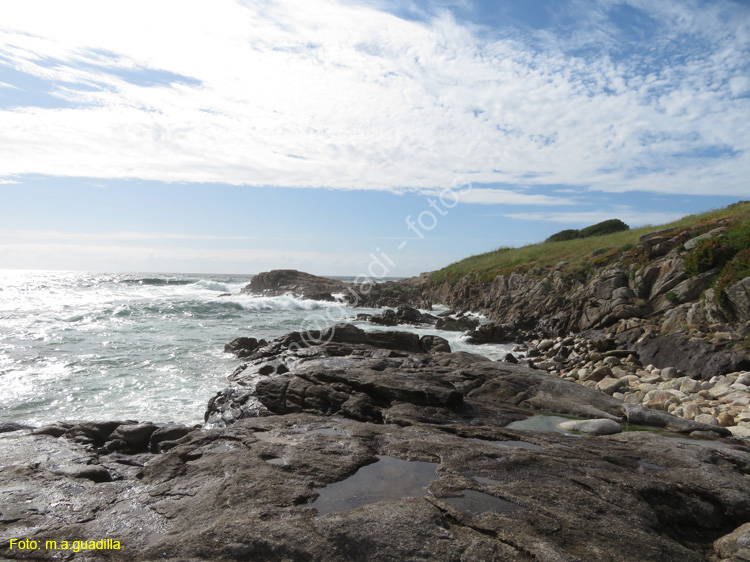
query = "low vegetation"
{"x": 600, "y": 229}
{"x": 585, "y": 254}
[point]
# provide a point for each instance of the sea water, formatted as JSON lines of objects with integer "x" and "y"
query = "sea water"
{"x": 147, "y": 347}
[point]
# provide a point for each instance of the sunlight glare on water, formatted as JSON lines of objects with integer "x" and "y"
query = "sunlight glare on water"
{"x": 148, "y": 347}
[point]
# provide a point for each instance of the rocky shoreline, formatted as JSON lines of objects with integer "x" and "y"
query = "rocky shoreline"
{"x": 349, "y": 445}
{"x": 722, "y": 400}
{"x": 601, "y": 360}
{"x": 383, "y": 446}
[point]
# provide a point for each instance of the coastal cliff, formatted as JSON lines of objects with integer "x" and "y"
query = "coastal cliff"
{"x": 686, "y": 283}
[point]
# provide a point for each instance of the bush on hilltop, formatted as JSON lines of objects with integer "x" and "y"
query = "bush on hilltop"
{"x": 599, "y": 229}
{"x": 569, "y": 234}
{"x": 605, "y": 227}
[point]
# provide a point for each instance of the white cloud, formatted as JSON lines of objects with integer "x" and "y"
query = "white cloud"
{"x": 53, "y": 235}
{"x": 8, "y": 182}
{"x": 328, "y": 94}
{"x": 631, "y": 217}
{"x": 739, "y": 85}
{"x": 504, "y": 197}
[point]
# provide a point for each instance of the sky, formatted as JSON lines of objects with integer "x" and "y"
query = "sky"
{"x": 375, "y": 137}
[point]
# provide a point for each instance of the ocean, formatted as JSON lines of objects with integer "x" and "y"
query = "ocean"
{"x": 140, "y": 346}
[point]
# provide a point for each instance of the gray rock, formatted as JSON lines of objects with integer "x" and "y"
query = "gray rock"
{"x": 393, "y": 294}
{"x": 489, "y": 333}
{"x": 640, "y": 415}
{"x": 594, "y": 427}
{"x": 133, "y": 438}
{"x": 167, "y": 434}
{"x": 669, "y": 373}
{"x": 6, "y": 427}
{"x": 510, "y": 358}
{"x": 706, "y": 419}
{"x": 283, "y": 281}
{"x": 434, "y": 344}
{"x": 738, "y": 295}
{"x": 693, "y": 242}
{"x": 544, "y": 345}
{"x": 403, "y": 315}
{"x": 242, "y": 347}
{"x": 611, "y": 385}
{"x": 690, "y": 386}
{"x": 462, "y": 324}
{"x": 734, "y": 547}
{"x": 693, "y": 356}
{"x": 690, "y": 289}
{"x": 599, "y": 374}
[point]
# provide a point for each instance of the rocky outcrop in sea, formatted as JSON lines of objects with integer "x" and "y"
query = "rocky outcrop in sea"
{"x": 368, "y": 293}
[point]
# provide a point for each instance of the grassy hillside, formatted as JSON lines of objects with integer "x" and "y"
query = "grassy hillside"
{"x": 583, "y": 254}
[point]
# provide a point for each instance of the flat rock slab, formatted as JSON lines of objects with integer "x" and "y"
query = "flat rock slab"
{"x": 248, "y": 492}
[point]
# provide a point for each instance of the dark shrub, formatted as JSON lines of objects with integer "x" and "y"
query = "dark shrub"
{"x": 605, "y": 227}
{"x": 601, "y": 261}
{"x": 710, "y": 253}
{"x": 599, "y": 229}
{"x": 570, "y": 234}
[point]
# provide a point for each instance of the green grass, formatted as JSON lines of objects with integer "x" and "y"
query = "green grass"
{"x": 578, "y": 252}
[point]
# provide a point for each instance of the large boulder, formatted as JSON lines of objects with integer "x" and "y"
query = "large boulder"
{"x": 490, "y": 333}
{"x": 734, "y": 547}
{"x": 282, "y": 281}
{"x": 457, "y": 324}
{"x": 691, "y": 355}
{"x": 244, "y": 346}
{"x": 369, "y": 293}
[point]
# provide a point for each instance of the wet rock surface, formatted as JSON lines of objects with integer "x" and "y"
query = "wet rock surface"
{"x": 420, "y": 438}
{"x": 282, "y": 281}
{"x": 402, "y": 315}
{"x": 368, "y": 293}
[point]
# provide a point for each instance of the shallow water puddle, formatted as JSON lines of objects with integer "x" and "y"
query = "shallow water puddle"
{"x": 511, "y": 444}
{"x": 388, "y": 479}
{"x": 476, "y": 503}
{"x": 541, "y": 423}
